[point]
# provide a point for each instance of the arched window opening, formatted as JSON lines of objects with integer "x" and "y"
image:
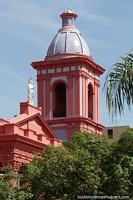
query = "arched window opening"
{"x": 59, "y": 103}
{"x": 90, "y": 101}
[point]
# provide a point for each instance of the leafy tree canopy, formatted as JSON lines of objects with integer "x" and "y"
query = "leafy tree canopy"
{"x": 7, "y": 189}
{"x": 69, "y": 170}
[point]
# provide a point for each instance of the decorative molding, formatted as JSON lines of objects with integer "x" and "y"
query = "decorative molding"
{"x": 44, "y": 71}
{"x": 90, "y": 82}
{"x": 53, "y": 79}
{"x": 66, "y": 102}
{"x": 73, "y": 68}
{"x": 92, "y": 127}
{"x": 58, "y": 125}
{"x": 81, "y": 94}
{"x": 51, "y": 106}
{"x": 58, "y": 70}
{"x": 44, "y": 97}
{"x": 51, "y": 71}
{"x": 84, "y": 69}
{"x": 90, "y": 73}
{"x": 65, "y": 69}
{"x": 78, "y": 68}
{"x": 73, "y": 96}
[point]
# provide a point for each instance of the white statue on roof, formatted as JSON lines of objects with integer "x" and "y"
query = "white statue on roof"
{"x": 30, "y": 92}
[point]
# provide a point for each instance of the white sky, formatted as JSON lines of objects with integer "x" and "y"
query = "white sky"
{"x": 27, "y": 28}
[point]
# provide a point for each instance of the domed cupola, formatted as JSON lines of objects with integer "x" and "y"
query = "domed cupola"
{"x": 68, "y": 42}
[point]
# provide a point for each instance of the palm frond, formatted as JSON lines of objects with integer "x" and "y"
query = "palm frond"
{"x": 118, "y": 86}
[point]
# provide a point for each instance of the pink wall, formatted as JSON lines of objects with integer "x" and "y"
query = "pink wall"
{"x": 77, "y": 73}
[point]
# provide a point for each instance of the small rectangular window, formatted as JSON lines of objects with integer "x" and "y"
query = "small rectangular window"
{"x": 110, "y": 133}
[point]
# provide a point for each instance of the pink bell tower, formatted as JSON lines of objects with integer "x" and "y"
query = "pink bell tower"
{"x": 68, "y": 82}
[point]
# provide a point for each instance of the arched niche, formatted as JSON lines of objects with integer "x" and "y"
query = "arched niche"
{"x": 59, "y": 99}
{"x": 90, "y": 101}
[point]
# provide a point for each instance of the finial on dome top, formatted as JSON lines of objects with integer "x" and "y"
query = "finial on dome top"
{"x": 68, "y": 10}
{"x": 68, "y": 17}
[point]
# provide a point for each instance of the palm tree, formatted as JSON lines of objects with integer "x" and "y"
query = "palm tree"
{"x": 118, "y": 86}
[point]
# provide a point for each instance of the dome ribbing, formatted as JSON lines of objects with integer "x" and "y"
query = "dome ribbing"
{"x": 68, "y": 39}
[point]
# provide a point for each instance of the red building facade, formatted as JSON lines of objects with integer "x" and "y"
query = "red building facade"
{"x": 23, "y": 135}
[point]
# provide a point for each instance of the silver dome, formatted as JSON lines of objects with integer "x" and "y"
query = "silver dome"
{"x": 68, "y": 38}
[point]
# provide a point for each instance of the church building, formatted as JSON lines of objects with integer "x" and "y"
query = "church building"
{"x": 68, "y": 94}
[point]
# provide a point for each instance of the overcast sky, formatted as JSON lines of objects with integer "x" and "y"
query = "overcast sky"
{"x": 27, "y": 27}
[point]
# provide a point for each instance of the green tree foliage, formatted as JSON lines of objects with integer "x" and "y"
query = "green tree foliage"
{"x": 118, "y": 86}
{"x": 7, "y": 189}
{"x": 85, "y": 165}
{"x": 69, "y": 170}
{"x": 119, "y": 167}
